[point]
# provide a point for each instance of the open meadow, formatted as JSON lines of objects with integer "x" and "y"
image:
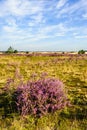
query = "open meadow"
{"x": 17, "y": 69}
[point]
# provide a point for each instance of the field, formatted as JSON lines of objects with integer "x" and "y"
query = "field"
{"x": 68, "y": 68}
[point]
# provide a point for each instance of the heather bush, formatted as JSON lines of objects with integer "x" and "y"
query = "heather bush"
{"x": 37, "y": 98}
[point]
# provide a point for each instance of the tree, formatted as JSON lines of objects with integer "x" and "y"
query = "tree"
{"x": 15, "y": 51}
{"x": 81, "y": 52}
{"x": 10, "y": 50}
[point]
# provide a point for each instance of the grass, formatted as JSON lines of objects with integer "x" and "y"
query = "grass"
{"x": 71, "y": 70}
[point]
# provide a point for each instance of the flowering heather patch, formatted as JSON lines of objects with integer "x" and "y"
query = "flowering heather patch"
{"x": 40, "y": 97}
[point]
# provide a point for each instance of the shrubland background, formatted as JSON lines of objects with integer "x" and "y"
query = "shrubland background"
{"x": 68, "y": 68}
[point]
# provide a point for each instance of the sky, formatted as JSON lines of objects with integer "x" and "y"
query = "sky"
{"x": 43, "y": 25}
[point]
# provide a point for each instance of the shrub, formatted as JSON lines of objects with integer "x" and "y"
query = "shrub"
{"x": 27, "y": 52}
{"x": 40, "y": 97}
{"x": 15, "y": 51}
{"x": 81, "y": 52}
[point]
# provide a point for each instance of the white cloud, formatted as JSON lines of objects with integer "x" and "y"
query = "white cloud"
{"x": 11, "y": 22}
{"x": 36, "y": 19}
{"x": 20, "y": 7}
{"x": 13, "y": 32}
{"x": 42, "y": 32}
{"x": 11, "y": 26}
{"x": 75, "y": 34}
{"x": 69, "y": 9}
{"x": 53, "y": 28}
{"x": 84, "y": 16}
{"x": 31, "y": 23}
{"x": 9, "y": 29}
{"x": 59, "y": 34}
{"x": 61, "y": 3}
{"x": 81, "y": 37}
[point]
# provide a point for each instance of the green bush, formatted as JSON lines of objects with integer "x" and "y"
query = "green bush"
{"x": 81, "y": 52}
{"x": 15, "y": 51}
{"x": 10, "y": 50}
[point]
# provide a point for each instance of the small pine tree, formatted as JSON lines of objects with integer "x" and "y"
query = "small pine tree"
{"x": 10, "y": 50}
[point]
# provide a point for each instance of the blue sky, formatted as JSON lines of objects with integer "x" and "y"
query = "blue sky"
{"x": 43, "y": 25}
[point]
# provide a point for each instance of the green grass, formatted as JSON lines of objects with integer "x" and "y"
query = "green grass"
{"x": 71, "y": 70}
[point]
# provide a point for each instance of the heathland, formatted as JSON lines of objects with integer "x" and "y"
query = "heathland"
{"x": 21, "y": 69}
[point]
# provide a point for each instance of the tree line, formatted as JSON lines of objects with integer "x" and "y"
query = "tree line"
{"x": 12, "y": 50}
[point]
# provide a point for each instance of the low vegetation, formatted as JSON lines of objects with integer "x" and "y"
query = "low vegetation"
{"x": 43, "y": 92}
